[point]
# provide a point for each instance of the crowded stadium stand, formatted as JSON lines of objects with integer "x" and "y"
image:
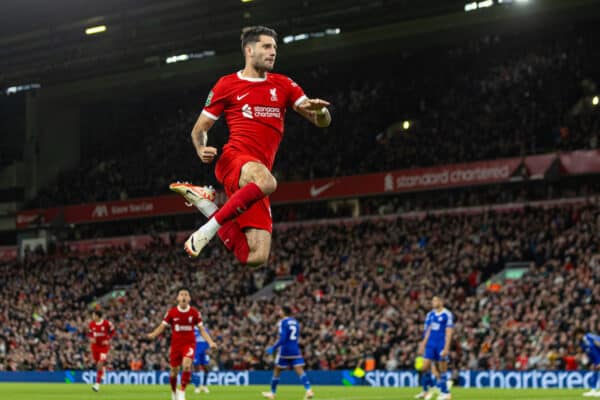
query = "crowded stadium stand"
{"x": 355, "y": 278}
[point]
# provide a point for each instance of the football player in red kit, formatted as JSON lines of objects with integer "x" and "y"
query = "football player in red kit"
{"x": 182, "y": 319}
{"x": 100, "y": 331}
{"x": 254, "y": 102}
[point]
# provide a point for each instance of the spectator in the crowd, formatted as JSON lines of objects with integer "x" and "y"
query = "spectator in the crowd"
{"x": 363, "y": 288}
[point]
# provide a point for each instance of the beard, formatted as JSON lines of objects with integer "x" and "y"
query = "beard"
{"x": 260, "y": 65}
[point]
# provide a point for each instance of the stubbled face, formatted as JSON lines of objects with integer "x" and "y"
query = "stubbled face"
{"x": 436, "y": 302}
{"x": 183, "y": 298}
{"x": 261, "y": 55}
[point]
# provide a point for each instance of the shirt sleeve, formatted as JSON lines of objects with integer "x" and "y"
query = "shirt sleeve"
{"x": 295, "y": 93}
{"x": 167, "y": 319}
{"x": 111, "y": 330}
{"x": 594, "y": 338}
{"x": 282, "y": 335}
{"x": 450, "y": 323}
{"x": 215, "y": 102}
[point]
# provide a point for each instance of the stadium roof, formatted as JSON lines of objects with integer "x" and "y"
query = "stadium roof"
{"x": 45, "y": 41}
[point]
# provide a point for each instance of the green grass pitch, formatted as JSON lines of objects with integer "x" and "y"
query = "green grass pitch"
{"x": 36, "y": 391}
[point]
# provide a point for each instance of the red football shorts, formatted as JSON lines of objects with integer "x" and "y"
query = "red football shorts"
{"x": 228, "y": 170}
{"x": 99, "y": 353}
{"x": 179, "y": 352}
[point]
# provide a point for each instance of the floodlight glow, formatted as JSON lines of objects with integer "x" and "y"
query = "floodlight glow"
{"x": 190, "y": 56}
{"x": 22, "y": 88}
{"x": 95, "y": 29}
{"x": 406, "y": 125}
{"x": 174, "y": 59}
{"x": 595, "y": 100}
{"x": 314, "y": 35}
{"x": 485, "y": 4}
{"x": 470, "y": 7}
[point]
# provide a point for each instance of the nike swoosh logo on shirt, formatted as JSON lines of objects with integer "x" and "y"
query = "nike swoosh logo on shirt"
{"x": 242, "y": 96}
{"x": 314, "y": 191}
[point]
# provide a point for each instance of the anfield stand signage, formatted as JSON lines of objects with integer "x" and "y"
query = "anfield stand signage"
{"x": 8, "y": 253}
{"x": 418, "y": 179}
{"x": 466, "y": 379}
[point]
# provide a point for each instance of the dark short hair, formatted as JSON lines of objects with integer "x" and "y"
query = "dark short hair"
{"x": 251, "y": 34}
{"x": 578, "y": 331}
{"x": 183, "y": 288}
{"x": 97, "y": 312}
{"x": 287, "y": 310}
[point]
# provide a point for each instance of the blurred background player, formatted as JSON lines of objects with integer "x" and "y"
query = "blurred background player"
{"x": 590, "y": 343}
{"x": 435, "y": 347}
{"x": 182, "y": 319}
{"x": 100, "y": 331}
{"x": 254, "y": 102}
{"x": 201, "y": 360}
{"x": 288, "y": 353}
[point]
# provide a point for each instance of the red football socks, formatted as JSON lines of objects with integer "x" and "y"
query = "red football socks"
{"x": 238, "y": 203}
{"x": 173, "y": 382}
{"x": 99, "y": 375}
{"x": 235, "y": 240}
{"x": 186, "y": 376}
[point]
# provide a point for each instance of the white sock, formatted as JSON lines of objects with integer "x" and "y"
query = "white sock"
{"x": 206, "y": 207}
{"x": 210, "y": 227}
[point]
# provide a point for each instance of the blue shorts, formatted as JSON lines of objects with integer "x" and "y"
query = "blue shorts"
{"x": 594, "y": 356}
{"x": 433, "y": 352}
{"x": 201, "y": 359}
{"x": 289, "y": 362}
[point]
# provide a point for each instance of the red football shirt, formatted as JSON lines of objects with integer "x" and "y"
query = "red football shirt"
{"x": 182, "y": 324}
{"x": 102, "y": 331}
{"x": 254, "y": 110}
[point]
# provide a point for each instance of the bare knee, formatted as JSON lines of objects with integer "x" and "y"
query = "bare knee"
{"x": 258, "y": 257}
{"x": 259, "y": 174}
{"x": 267, "y": 183}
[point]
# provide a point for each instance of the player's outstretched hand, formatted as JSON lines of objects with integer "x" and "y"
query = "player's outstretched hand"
{"x": 313, "y": 104}
{"x": 207, "y": 154}
{"x": 150, "y": 336}
{"x": 270, "y": 350}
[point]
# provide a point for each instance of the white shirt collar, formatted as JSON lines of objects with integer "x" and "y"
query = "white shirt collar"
{"x": 184, "y": 310}
{"x": 239, "y": 74}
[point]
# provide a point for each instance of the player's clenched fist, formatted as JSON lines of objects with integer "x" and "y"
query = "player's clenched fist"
{"x": 207, "y": 154}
